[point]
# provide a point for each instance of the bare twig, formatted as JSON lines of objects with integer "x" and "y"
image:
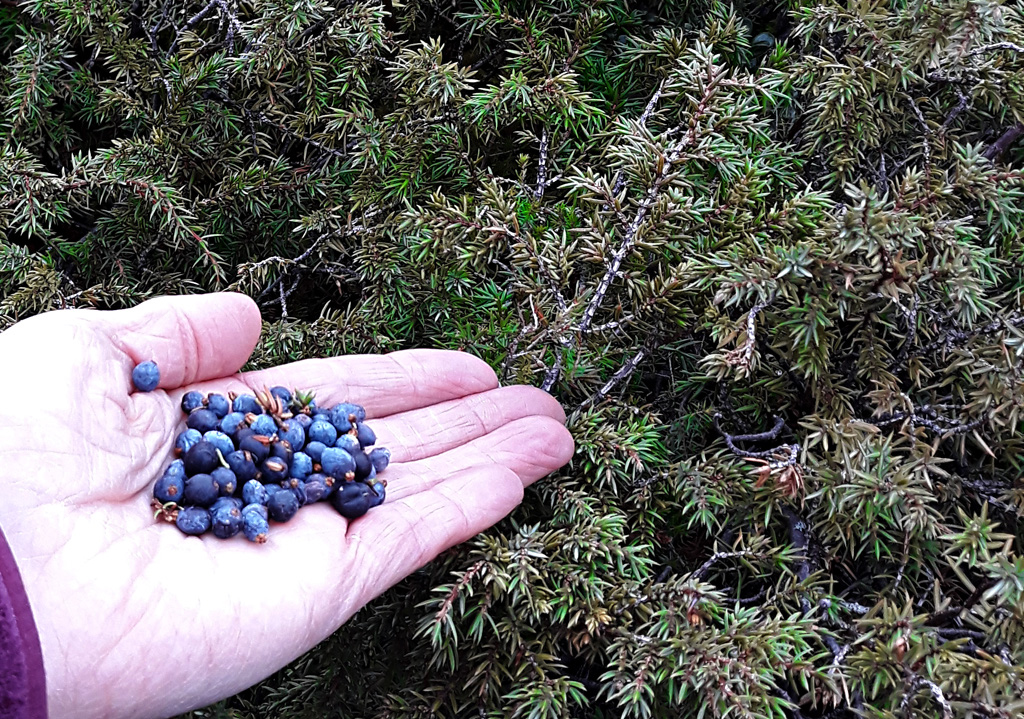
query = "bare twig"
{"x": 936, "y": 692}
{"x": 996, "y": 46}
{"x": 621, "y": 374}
{"x": 1010, "y": 136}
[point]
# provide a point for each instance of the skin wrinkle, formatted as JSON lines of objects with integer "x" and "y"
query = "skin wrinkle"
{"x": 456, "y": 422}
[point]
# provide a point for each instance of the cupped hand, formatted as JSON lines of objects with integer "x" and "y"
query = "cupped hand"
{"x": 136, "y": 619}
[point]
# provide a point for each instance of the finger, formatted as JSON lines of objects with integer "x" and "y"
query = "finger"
{"x": 397, "y": 538}
{"x": 531, "y": 447}
{"x": 191, "y": 338}
{"x": 383, "y": 384}
{"x": 431, "y": 430}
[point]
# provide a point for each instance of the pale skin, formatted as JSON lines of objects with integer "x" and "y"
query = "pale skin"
{"x": 136, "y": 619}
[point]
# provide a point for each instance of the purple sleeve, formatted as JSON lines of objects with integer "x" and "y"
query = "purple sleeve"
{"x": 22, "y": 681}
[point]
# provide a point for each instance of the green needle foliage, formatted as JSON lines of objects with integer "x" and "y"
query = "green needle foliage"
{"x": 768, "y": 255}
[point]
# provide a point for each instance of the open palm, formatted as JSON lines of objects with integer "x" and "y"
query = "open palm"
{"x": 137, "y": 620}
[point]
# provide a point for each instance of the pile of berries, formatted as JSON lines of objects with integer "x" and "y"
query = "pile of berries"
{"x": 247, "y": 459}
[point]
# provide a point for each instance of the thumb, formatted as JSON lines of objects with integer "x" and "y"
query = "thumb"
{"x": 190, "y": 337}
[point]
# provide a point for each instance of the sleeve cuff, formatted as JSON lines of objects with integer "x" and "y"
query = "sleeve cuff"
{"x": 22, "y": 676}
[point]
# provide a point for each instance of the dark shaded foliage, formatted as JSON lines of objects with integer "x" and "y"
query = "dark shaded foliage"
{"x": 768, "y": 255}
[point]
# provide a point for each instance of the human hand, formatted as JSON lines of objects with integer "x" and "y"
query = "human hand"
{"x": 136, "y": 619}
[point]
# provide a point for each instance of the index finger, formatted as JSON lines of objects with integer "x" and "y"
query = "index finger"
{"x": 383, "y": 384}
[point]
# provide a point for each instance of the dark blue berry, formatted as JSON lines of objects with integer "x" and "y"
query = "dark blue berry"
{"x": 203, "y": 420}
{"x": 323, "y": 432}
{"x": 218, "y": 404}
{"x": 201, "y": 459}
{"x": 337, "y": 462}
{"x": 303, "y": 420}
{"x": 272, "y": 489}
{"x": 349, "y": 443}
{"x": 293, "y": 433}
{"x": 282, "y": 449}
{"x": 365, "y": 435}
{"x": 246, "y": 404}
{"x": 190, "y": 401}
{"x": 302, "y": 465}
{"x": 274, "y": 469}
{"x": 341, "y": 417}
{"x": 169, "y": 488}
{"x": 193, "y": 520}
{"x": 226, "y": 479}
{"x": 177, "y": 468}
{"x": 328, "y": 481}
{"x": 257, "y": 446}
{"x": 264, "y": 424}
{"x": 221, "y": 441}
{"x": 201, "y": 490}
{"x": 282, "y": 506}
{"x": 226, "y": 502}
{"x": 315, "y": 450}
{"x": 377, "y": 496}
{"x": 322, "y": 417}
{"x": 298, "y": 489}
{"x": 352, "y": 499}
{"x": 315, "y": 489}
{"x": 241, "y": 433}
{"x": 231, "y": 422}
{"x": 146, "y": 376}
{"x": 255, "y": 527}
{"x": 260, "y": 509}
{"x": 363, "y": 466}
{"x": 282, "y": 394}
{"x": 253, "y": 492}
{"x": 226, "y": 521}
{"x": 380, "y": 458}
{"x": 241, "y": 465}
{"x": 187, "y": 439}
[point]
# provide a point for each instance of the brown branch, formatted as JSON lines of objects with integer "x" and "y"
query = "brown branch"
{"x": 1010, "y": 136}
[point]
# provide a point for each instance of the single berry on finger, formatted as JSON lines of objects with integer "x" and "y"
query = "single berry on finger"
{"x": 146, "y": 376}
